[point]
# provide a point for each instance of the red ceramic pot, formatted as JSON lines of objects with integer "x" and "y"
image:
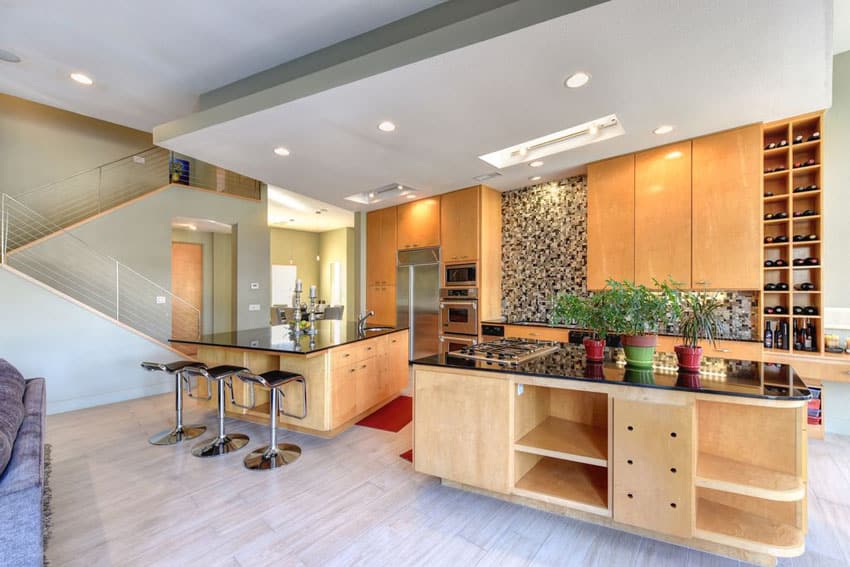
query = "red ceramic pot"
{"x": 689, "y": 357}
{"x": 595, "y": 348}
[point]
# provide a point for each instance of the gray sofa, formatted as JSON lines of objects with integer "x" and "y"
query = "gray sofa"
{"x": 22, "y": 478}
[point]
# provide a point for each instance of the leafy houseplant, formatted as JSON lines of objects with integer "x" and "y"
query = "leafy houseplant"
{"x": 592, "y": 313}
{"x": 698, "y": 320}
{"x": 637, "y": 312}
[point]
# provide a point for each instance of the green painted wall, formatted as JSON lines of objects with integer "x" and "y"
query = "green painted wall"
{"x": 298, "y": 248}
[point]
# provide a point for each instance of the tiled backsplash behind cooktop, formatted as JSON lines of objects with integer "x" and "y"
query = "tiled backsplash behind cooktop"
{"x": 544, "y": 252}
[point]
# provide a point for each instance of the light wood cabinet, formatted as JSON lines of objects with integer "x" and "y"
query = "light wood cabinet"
{"x": 380, "y": 247}
{"x": 419, "y": 224}
{"x": 653, "y": 466}
{"x": 460, "y": 219}
{"x": 382, "y": 300}
{"x": 610, "y": 221}
{"x": 344, "y": 393}
{"x": 663, "y": 214}
{"x": 727, "y": 241}
{"x": 461, "y": 428}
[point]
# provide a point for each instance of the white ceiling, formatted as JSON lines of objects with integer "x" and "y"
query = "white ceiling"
{"x": 150, "y": 60}
{"x": 701, "y": 66}
{"x": 297, "y": 212}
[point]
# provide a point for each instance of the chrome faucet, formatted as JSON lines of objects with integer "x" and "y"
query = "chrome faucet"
{"x": 361, "y": 322}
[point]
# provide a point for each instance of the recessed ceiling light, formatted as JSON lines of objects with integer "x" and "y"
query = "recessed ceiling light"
{"x": 536, "y": 163}
{"x": 281, "y": 151}
{"x": 9, "y": 57}
{"x": 386, "y": 126}
{"x": 82, "y": 78}
{"x": 663, "y": 129}
{"x": 577, "y": 80}
{"x": 535, "y": 178}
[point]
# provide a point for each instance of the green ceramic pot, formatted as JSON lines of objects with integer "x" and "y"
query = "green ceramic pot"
{"x": 640, "y": 350}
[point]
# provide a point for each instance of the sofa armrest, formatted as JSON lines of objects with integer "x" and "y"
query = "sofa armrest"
{"x": 26, "y": 465}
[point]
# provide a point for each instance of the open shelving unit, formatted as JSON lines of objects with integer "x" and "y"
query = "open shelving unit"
{"x": 561, "y": 448}
{"x": 780, "y": 196}
{"x": 750, "y": 487}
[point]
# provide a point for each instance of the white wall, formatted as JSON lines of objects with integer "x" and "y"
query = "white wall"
{"x": 86, "y": 359}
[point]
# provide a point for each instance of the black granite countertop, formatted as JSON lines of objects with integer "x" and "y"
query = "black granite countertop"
{"x": 577, "y": 328}
{"x": 725, "y": 377}
{"x": 279, "y": 338}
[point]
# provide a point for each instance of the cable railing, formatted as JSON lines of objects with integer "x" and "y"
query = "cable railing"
{"x": 88, "y": 193}
{"x": 72, "y": 267}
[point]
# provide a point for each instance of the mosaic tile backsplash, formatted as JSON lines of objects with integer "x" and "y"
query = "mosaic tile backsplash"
{"x": 544, "y": 252}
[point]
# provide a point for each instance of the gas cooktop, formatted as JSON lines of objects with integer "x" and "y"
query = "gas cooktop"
{"x": 511, "y": 351}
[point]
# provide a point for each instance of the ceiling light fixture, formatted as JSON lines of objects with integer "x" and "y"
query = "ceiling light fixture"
{"x": 82, "y": 78}
{"x": 386, "y": 126}
{"x": 663, "y": 129}
{"x": 281, "y": 151}
{"x": 532, "y": 151}
{"x": 577, "y": 80}
{"x": 535, "y": 178}
{"x": 537, "y": 163}
{"x": 9, "y": 57}
{"x": 393, "y": 190}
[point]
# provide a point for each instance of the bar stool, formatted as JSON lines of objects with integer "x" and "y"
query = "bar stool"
{"x": 275, "y": 454}
{"x": 179, "y": 432}
{"x": 225, "y": 442}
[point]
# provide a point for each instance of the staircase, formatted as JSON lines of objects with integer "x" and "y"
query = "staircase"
{"x": 36, "y": 243}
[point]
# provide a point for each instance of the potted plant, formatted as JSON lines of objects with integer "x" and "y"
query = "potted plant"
{"x": 590, "y": 313}
{"x": 636, "y": 314}
{"x": 698, "y": 320}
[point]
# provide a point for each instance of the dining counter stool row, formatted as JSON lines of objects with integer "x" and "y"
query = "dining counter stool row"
{"x": 270, "y": 456}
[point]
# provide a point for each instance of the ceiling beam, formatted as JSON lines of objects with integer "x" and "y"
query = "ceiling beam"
{"x": 437, "y": 30}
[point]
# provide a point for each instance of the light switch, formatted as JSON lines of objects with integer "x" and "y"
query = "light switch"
{"x": 139, "y": 159}
{"x": 255, "y": 285}
{"x": 160, "y": 300}
{"x": 254, "y": 307}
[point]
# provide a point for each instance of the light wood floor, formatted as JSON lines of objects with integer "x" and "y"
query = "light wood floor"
{"x": 119, "y": 501}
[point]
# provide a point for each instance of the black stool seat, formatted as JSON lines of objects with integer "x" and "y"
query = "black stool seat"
{"x": 224, "y": 370}
{"x": 172, "y": 367}
{"x": 272, "y": 378}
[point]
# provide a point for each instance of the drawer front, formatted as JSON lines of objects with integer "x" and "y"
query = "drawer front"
{"x": 539, "y": 333}
{"x": 356, "y": 352}
{"x": 653, "y": 466}
{"x": 737, "y": 350}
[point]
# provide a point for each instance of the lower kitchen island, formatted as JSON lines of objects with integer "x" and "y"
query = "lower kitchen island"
{"x": 349, "y": 374}
{"x": 713, "y": 461}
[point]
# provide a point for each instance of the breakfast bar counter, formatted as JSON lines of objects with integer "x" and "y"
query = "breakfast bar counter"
{"x": 714, "y": 461}
{"x": 349, "y": 374}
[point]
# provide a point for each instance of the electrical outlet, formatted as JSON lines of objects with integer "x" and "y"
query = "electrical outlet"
{"x": 160, "y": 300}
{"x": 255, "y": 285}
{"x": 255, "y": 343}
{"x": 254, "y": 307}
{"x": 520, "y": 388}
{"x": 139, "y": 159}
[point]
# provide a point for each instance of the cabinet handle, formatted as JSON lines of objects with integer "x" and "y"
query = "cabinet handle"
{"x": 346, "y": 355}
{"x": 368, "y": 348}
{"x": 722, "y": 350}
{"x": 352, "y": 370}
{"x": 363, "y": 367}
{"x": 702, "y": 282}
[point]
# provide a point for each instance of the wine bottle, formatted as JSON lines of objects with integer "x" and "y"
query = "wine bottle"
{"x": 807, "y": 341}
{"x": 785, "y": 335}
{"x": 768, "y": 336}
{"x": 812, "y": 336}
{"x": 779, "y": 337}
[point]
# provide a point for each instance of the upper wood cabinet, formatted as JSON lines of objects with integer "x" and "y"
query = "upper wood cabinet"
{"x": 663, "y": 214}
{"x": 380, "y": 247}
{"x": 610, "y": 220}
{"x": 726, "y": 245}
{"x": 419, "y": 224}
{"x": 382, "y": 300}
{"x": 460, "y": 219}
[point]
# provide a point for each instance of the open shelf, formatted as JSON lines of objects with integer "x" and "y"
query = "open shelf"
{"x": 776, "y": 198}
{"x": 733, "y": 526}
{"x": 806, "y": 168}
{"x": 775, "y": 174}
{"x": 737, "y": 477}
{"x": 576, "y": 485}
{"x": 564, "y": 439}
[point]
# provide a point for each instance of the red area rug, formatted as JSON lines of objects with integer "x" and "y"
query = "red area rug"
{"x": 392, "y": 417}
{"x": 407, "y": 455}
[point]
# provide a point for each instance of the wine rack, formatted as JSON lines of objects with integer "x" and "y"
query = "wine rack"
{"x": 793, "y": 192}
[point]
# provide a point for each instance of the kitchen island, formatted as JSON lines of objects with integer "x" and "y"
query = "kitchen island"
{"x": 349, "y": 374}
{"x": 713, "y": 461}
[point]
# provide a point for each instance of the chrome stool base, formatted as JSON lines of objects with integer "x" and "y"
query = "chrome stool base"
{"x": 267, "y": 457}
{"x": 177, "y": 434}
{"x": 220, "y": 445}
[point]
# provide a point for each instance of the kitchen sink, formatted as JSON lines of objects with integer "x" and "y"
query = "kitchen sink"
{"x": 376, "y": 329}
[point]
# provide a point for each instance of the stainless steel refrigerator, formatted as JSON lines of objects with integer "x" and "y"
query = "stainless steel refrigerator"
{"x": 418, "y": 301}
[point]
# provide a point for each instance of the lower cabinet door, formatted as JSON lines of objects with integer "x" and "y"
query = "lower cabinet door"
{"x": 653, "y": 466}
{"x": 344, "y": 393}
{"x": 368, "y": 388}
{"x": 397, "y": 362}
{"x": 461, "y": 428}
